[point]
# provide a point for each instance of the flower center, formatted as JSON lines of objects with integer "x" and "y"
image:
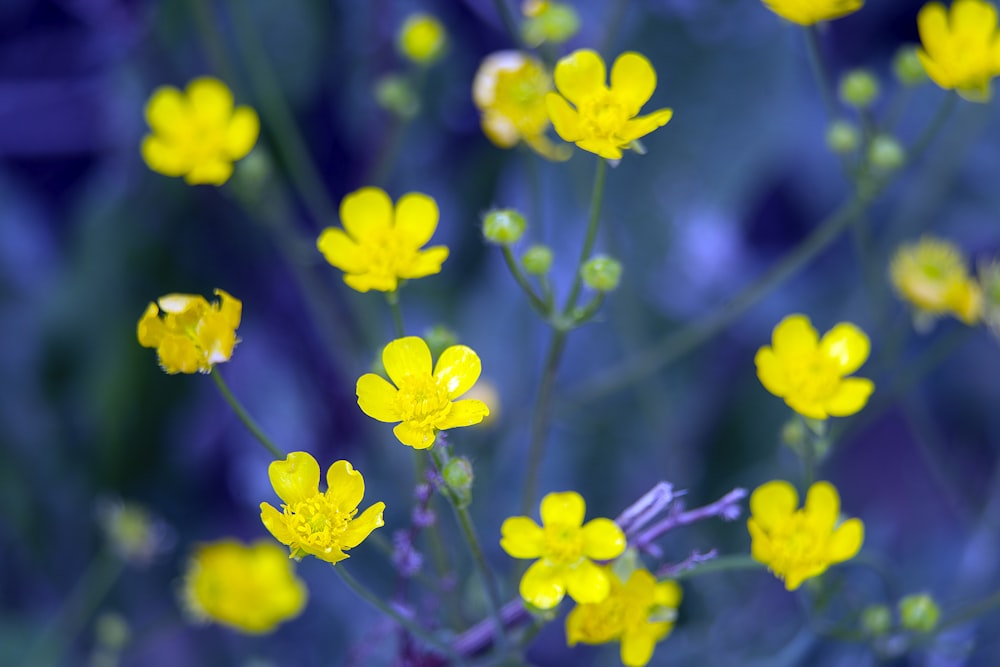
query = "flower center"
{"x": 603, "y": 115}
{"x": 520, "y": 97}
{"x": 422, "y": 400}
{"x": 563, "y": 544}
{"x": 201, "y": 139}
{"x": 813, "y": 377}
{"x": 797, "y": 544}
{"x": 317, "y": 522}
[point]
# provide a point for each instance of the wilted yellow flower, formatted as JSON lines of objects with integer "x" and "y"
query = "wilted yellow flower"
{"x": 809, "y": 12}
{"x": 810, "y": 373}
{"x": 799, "y": 543}
{"x": 422, "y": 38}
{"x": 603, "y": 119}
{"x": 960, "y": 48}
{"x": 637, "y": 613}
{"x": 509, "y": 90}
{"x": 421, "y": 400}
{"x": 566, "y": 549}
{"x": 381, "y": 245}
{"x": 932, "y": 276}
{"x": 251, "y": 588}
{"x": 198, "y": 134}
{"x": 315, "y": 523}
{"x": 192, "y": 335}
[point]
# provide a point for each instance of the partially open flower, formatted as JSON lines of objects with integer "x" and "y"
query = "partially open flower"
{"x": 960, "y": 46}
{"x": 192, "y": 335}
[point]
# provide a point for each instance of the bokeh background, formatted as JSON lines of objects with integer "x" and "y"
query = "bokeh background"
{"x": 89, "y": 235}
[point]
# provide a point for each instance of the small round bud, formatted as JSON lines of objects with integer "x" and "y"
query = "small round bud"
{"x": 601, "y": 273}
{"x": 793, "y": 434}
{"x": 112, "y": 631}
{"x": 422, "y": 39}
{"x": 555, "y": 23}
{"x": 439, "y": 338}
{"x": 919, "y": 612}
{"x": 457, "y": 474}
{"x": 886, "y": 153}
{"x": 876, "y": 620}
{"x": 842, "y": 137}
{"x": 858, "y": 88}
{"x": 395, "y": 94}
{"x": 537, "y": 260}
{"x": 503, "y": 226}
{"x": 907, "y": 66}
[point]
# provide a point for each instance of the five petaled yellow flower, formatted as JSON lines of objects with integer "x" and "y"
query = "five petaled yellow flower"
{"x": 932, "y": 275}
{"x": 961, "y": 47}
{"x": 799, "y": 543}
{"x": 380, "y": 246}
{"x": 509, "y": 90}
{"x": 422, "y": 38}
{"x": 421, "y": 400}
{"x": 198, "y": 134}
{"x": 192, "y": 335}
{"x": 314, "y": 523}
{"x": 605, "y": 119}
{"x": 565, "y": 548}
{"x": 810, "y": 12}
{"x": 810, "y": 373}
{"x": 249, "y": 587}
{"x": 638, "y": 613}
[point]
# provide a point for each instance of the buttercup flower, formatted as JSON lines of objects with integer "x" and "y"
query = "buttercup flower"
{"x": 799, "y": 543}
{"x": 809, "y": 12}
{"x": 638, "y": 613}
{"x": 192, "y": 335}
{"x": 422, "y": 38}
{"x": 421, "y": 400}
{"x": 603, "y": 119}
{"x": 565, "y": 548}
{"x": 380, "y": 246}
{"x": 960, "y": 48}
{"x": 251, "y": 588}
{"x": 509, "y": 90}
{"x": 810, "y": 373}
{"x": 932, "y": 276}
{"x": 314, "y": 523}
{"x": 198, "y": 134}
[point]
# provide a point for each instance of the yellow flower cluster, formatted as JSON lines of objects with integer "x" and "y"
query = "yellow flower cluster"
{"x": 932, "y": 276}
{"x": 192, "y": 335}
{"x": 960, "y": 47}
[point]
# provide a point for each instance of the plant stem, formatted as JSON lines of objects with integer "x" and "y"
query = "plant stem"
{"x": 245, "y": 416}
{"x": 588, "y": 243}
{"x": 722, "y": 564}
{"x": 818, "y": 66}
{"x": 970, "y": 612}
{"x": 536, "y": 302}
{"x": 540, "y": 420}
{"x": 508, "y": 20}
{"x": 397, "y": 313}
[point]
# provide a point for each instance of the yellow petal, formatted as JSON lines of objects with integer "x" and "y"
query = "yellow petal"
{"x": 406, "y": 357}
{"x": 499, "y": 129}
{"x": 580, "y": 75}
{"x": 761, "y": 548}
{"x": 772, "y": 503}
{"x": 415, "y": 435}
{"x": 166, "y": 110}
{"x": 363, "y": 282}
{"x": 425, "y": 263}
{"x": 179, "y": 354}
{"x": 576, "y": 624}
{"x": 633, "y": 81}
{"x": 296, "y": 478}
{"x": 668, "y": 594}
{"x": 973, "y": 22}
{"x": 163, "y": 158}
{"x": 846, "y": 541}
{"x": 851, "y": 396}
{"x": 587, "y": 582}
{"x": 643, "y": 125}
{"x": 366, "y": 213}
{"x": 242, "y": 132}
{"x": 521, "y": 537}
{"x": 183, "y": 304}
{"x": 565, "y": 119}
{"x": 770, "y": 371}
{"x": 333, "y": 556}
{"x": 274, "y": 521}
{"x": 464, "y": 413}
{"x": 210, "y": 100}
{"x": 212, "y": 172}
{"x": 345, "y": 485}
{"x": 362, "y": 526}
{"x": 150, "y": 330}
{"x": 606, "y": 148}
{"x": 542, "y": 585}
{"x": 377, "y": 398}
{"x": 822, "y": 507}
{"x": 637, "y": 648}
{"x": 416, "y": 218}
{"x": 457, "y": 369}
{"x": 932, "y": 23}
{"x": 603, "y": 539}
{"x": 806, "y": 407}
{"x": 563, "y": 509}
{"x": 847, "y": 346}
{"x": 793, "y": 337}
{"x": 340, "y": 251}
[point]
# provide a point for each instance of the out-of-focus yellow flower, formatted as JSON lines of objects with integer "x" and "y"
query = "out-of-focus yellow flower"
{"x": 314, "y": 523}
{"x": 809, "y": 12}
{"x": 421, "y": 400}
{"x": 422, "y": 38}
{"x": 379, "y": 245}
{"x": 799, "y": 543}
{"x": 566, "y": 549}
{"x": 192, "y": 335}
{"x": 810, "y": 373}
{"x": 251, "y": 588}
{"x": 933, "y": 277}
{"x": 603, "y": 119}
{"x": 198, "y": 134}
{"x": 509, "y": 90}
{"x": 960, "y": 48}
{"x": 638, "y": 613}
{"x": 989, "y": 284}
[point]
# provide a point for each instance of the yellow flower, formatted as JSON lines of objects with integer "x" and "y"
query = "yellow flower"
{"x": 799, "y": 543}
{"x": 604, "y": 120}
{"x": 422, "y": 39}
{"x": 381, "y": 246}
{"x": 192, "y": 335}
{"x": 961, "y": 48}
{"x": 251, "y": 588}
{"x": 509, "y": 90}
{"x": 810, "y": 373}
{"x": 809, "y": 12}
{"x": 932, "y": 275}
{"x": 197, "y": 133}
{"x": 638, "y": 613}
{"x": 565, "y": 548}
{"x": 314, "y": 523}
{"x": 422, "y": 401}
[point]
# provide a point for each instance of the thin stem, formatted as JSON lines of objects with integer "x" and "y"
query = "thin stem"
{"x": 217, "y": 53}
{"x": 588, "y": 243}
{"x": 932, "y": 129}
{"x": 536, "y": 302}
{"x": 397, "y": 312}
{"x": 613, "y": 24}
{"x": 540, "y": 420}
{"x": 245, "y": 416}
{"x": 818, "y": 66}
{"x": 970, "y": 612}
{"x": 508, "y": 20}
{"x": 722, "y": 564}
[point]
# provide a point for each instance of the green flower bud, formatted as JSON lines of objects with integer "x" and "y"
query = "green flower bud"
{"x": 919, "y": 612}
{"x": 457, "y": 474}
{"x": 601, "y": 273}
{"x": 112, "y": 631}
{"x": 439, "y": 338}
{"x": 876, "y": 620}
{"x": 503, "y": 226}
{"x": 537, "y": 260}
{"x": 907, "y": 66}
{"x": 395, "y": 94}
{"x": 556, "y": 23}
{"x": 858, "y": 88}
{"x": 886, "y": 153}
{"x": 793, "y": 434}
{"x": 842, "y": 137}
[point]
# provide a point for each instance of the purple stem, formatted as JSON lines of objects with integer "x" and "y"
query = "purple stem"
{"x": 727, "y": 507}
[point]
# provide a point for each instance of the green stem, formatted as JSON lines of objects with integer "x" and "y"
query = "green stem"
{"x": 721, "y": 564}
{"x": 508, "y": 20}
{"x": 970, "y": 612}
{"x": 245, "y": 416}
{"x": 536, "y": 302}
{"x": 933, "y": 127}
{"x": 588, "y": 242}
{"x": 540, "y": 421}
{"x": 612, "y": 26}
{"x": 397, "y": 313}
{"x": 217, "y": 54}
{"x": 818, "y": 66}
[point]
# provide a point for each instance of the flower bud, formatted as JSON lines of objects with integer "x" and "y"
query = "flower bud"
{"x": 919, "y": 612}
{"x": 439, "y": 338}
{"x": 907, "y": 66}
{"x": 886, "y": 153}
{"x": 458, "y": 477}
{"x": 876, "y": 620}
{"x": 112, "y": 631}
{"x": 859, "y": 88}
{"x": 395, "y": 94}
{"x": 503, "y": 226}
{"x": 537, "y": 260}
{"x": 601, "y": 273}
{"x": 555, "y": 22}
{"x": 842, "y": 137}
{"x": 422, "y": 39}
